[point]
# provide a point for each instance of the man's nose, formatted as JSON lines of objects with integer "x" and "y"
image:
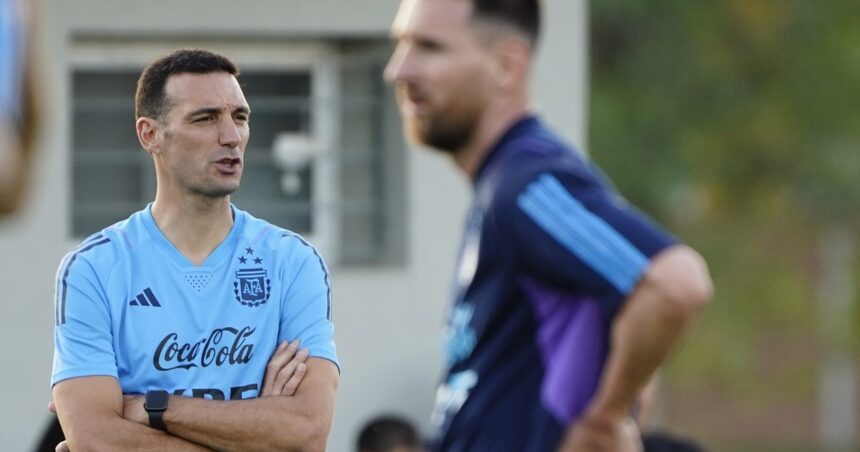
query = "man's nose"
{"x": 401, "y": 65}
{"x": 229, "y": 133}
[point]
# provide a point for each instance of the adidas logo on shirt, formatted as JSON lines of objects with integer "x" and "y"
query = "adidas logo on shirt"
{"x": 145, "y": 298}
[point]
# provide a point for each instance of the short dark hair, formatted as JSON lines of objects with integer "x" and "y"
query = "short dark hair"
{"x": 150, "y": 98}
{"x": 384, "y": 433}
{"x": 523, "y": 15}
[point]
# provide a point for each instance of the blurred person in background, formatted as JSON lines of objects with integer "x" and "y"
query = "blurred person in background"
{"x": 17, "y": 103}
{"x": 566, "y": 298}
{"x": 389, "y": 434}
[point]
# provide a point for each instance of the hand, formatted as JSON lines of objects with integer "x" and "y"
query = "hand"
{"x": 286, "y": 370}
{"x": 591, "y": 434}
{"x": 62, "y": 446}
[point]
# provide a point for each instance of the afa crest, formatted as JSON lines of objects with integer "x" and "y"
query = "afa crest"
{"x": 252, "y": 286}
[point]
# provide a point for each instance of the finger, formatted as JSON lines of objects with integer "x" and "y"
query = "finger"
{"x": 296, "y": 374}
{"x": 293, "y": 383}
{"x": 52, "y": 407}
{"x": 287, "y": 372}
{"x": 271, "y": 366}
{"x": 283, "y": 354}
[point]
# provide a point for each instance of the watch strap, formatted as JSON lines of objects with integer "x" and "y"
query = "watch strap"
{"x": 156, "y": 420}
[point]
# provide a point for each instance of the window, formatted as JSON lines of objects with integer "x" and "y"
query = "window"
{"x": 325, "y": 157}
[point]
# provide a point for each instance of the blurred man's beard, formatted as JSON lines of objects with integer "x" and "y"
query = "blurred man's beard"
{"x": 448, "y": 135}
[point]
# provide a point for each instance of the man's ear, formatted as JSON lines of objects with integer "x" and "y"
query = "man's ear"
{"x": 149, "y": 134}
{"x": 513, "y": 57}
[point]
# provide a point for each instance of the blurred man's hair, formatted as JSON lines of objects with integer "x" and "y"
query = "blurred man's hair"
{"x": 522, "y": 15}
{"x": 384, "y": 433}
{"x": 151, "y": 100}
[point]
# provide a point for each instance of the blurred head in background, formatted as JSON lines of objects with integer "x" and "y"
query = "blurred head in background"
{"x": 389, "y": 434}
{"x": 17, "y": 103}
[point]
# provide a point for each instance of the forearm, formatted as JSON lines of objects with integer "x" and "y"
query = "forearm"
{"x": 651, "y": 323}
{"x": 299, "y": 422}
{"x": 642, "y": 336}
{"x": 115, "y": 433}
{"x": 637, "y": 350}
{"x": 256, "y": 424}
{"x": 90, "y": 410}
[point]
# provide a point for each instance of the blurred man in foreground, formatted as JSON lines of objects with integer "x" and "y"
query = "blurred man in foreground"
{"x": 566, "y": 298}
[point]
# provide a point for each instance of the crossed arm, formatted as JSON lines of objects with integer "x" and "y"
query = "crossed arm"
{"x": 653, "y": 319}
{"x": 96, "y": 416}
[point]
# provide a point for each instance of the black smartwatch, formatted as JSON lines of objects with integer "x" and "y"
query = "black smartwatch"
{"x": 155, "y": 403}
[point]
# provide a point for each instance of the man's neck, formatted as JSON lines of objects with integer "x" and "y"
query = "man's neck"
{"x": 488, "y": 131}
{"x": 195, "y": 225}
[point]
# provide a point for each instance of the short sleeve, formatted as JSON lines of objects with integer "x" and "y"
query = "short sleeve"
{"x": 83, "y": 343}
{"x": 306, "y": 313}
{"x": 572, "y": 231}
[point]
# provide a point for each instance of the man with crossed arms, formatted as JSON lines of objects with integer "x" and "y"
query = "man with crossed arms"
{"x": 166, "y": 321}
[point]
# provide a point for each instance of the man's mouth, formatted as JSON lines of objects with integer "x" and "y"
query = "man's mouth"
{"x": 412, "y": 102}
{"x": 228, "y": 165}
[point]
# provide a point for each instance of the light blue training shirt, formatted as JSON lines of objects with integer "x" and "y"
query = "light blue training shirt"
{"x": 131, "y": 306}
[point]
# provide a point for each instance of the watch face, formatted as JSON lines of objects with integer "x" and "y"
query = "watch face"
{"x": 156, "y": 400}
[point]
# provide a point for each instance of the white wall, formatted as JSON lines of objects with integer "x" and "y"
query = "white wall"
{"x": 387, "y": 321}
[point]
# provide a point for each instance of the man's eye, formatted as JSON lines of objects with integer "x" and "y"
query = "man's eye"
{"x": 428, "y": 45}
{"x": 204, "y": 119}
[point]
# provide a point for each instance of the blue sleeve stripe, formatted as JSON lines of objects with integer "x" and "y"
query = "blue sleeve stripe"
{"x": 324, "y": 269}
{"x": 593, "y": 253}
{"x": 59, "y": 276}
{"x": 61, "y": 304}
{"x": 58, "y": 288}
{"x": 620, "y": 246}
{"x": 582, "y": 232}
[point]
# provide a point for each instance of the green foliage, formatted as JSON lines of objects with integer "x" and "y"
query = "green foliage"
{"x": 753, "y": 99}
{"x": 736, "y": 124}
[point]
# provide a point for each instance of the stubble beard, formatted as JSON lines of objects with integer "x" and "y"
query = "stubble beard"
{"x": 213, "y": 191}
{"x": 448, "y": 135}
{"x": 208, "y": 186}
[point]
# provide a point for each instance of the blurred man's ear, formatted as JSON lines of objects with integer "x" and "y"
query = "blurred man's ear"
{"x": 513, "y": 58}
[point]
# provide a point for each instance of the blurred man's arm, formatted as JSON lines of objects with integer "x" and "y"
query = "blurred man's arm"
{"x": 654, "y": 317}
